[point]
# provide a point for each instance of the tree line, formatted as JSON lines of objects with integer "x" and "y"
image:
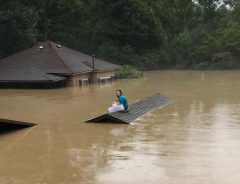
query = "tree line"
{"x": 148, "y": 34}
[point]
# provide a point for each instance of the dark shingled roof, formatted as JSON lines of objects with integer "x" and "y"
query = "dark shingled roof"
{"x": 55, "y": 59}
{"x": 14, "y": 122}
{"x": 78, "y": 62}
{"x": 136, "y": 110}
{"x": 7, "y": 125}
{"x": 26, "y": 76}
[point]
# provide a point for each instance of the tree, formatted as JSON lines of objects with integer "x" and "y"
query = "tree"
{"x": 147, "y": 34}
{"x": 209, "y": 7}
{"x": 18, "y": 27}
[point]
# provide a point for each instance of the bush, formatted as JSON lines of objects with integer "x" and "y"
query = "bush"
{"x": 129, "y": 72}
{"x": 201, "y": 66}
{"x": 221, "y": 56}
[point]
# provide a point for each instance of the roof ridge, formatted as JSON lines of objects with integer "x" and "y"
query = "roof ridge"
{"x": 51, "y": 44}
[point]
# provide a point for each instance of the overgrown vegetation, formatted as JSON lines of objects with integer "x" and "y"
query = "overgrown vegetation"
{"x": 129, "y": 72}
{"x": 148, "y": 34}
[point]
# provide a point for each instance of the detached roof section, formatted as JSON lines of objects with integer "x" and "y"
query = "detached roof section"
{"x": 49, "y": 57}
{"x": 7, "y": 125}
{"x": 136, "y": 110}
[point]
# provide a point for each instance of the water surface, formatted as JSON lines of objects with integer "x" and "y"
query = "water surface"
{"x": 194, "y": 140}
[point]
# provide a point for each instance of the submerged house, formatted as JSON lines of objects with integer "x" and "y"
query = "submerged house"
{"x": 49, "y": 65}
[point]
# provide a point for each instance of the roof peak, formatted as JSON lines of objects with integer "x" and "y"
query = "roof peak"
{"x": 51, "y": 57}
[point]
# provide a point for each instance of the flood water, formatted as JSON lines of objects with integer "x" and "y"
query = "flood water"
{"x": 194, "y": 140}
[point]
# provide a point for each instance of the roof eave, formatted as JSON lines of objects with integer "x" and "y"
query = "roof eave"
{"x": 30, "y": 81}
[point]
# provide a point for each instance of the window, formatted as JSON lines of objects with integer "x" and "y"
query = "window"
{"x": 84, "y": 82}
{"x": 105, "y": 80}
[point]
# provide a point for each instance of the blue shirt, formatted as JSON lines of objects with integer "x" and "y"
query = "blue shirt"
{"x": 123, "y": 100}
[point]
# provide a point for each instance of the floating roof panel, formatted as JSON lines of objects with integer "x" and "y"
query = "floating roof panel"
{"x": 136, "y": 110}
{"x": 6, "y": 124}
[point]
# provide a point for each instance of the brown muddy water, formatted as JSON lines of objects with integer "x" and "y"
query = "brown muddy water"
{"x": 194, "y": 140}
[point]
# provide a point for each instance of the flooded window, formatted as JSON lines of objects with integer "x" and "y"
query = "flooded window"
{"x": 84, "y": 82}
{"x": 105, "y": 80}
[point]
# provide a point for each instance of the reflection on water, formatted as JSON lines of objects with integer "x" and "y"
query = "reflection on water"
{"x": 194, "y": 140}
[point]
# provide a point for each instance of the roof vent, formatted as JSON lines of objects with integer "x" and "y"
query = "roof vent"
{"x": 59, "y": 46}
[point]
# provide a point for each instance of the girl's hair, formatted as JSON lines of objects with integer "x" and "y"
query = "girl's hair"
{"x": 119, "y": 91}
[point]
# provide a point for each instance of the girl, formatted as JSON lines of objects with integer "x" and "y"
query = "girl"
{"x": 121, "y": 99}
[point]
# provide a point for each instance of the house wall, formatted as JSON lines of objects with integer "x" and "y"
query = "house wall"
{"x": 74, "y": 80}
{"x": 96, "y": 75}
{"x": 93, "y": 77}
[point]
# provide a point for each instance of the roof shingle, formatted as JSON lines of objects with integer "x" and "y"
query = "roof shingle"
{"x": 51, "y": 58}
{"x": 24, "y": 76}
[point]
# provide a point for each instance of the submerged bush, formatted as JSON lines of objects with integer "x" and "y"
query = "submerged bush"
{"x": 129, "y": 72}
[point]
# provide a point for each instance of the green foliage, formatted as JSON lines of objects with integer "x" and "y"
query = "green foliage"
{"x": 129, "y": 72}
{"x": 147, "y": 34}
{"x": 230, "y": 36}
{"x": 18, "y": 27}
{"x": 115, "y": 53}
{"x": 221, "y": 56}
